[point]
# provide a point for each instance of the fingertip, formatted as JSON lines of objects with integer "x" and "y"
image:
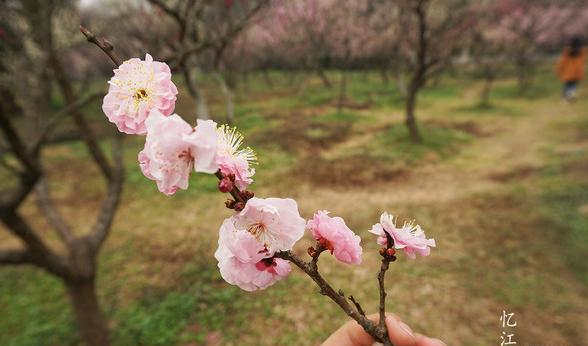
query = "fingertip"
{"x": 426, "y": 341}
{"x": 399, "y": 332}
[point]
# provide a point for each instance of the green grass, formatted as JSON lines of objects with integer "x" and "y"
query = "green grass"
{"x": 395, "y": 143}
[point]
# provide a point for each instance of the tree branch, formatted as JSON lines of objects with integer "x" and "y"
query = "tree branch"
{"x": 40, "y": 254}
{"x": 50, "y": 125}
{"x": 85, "y": 130}
{"x": 311, "y": 269}
{"x": 103, "y": 44}
{"x": 386, "y": 259}
{"x": 15, "y": 257}
{"x": 109, "y": 205}
{"x": 15, "y": 142}
{"x": 45, "y": 204}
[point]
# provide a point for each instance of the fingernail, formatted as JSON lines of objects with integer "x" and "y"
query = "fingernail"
{"x": 405, "y": 328}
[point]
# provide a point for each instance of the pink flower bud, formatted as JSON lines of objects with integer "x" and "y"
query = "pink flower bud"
{"x": 225, "y": 185}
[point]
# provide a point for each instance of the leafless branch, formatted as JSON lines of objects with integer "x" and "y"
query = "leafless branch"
{"x": 108, "y": 210}
{"x": 51, "y": 213}
{"x": 386, "y": 259}
{"x": 15, "y": 142}
{"x": 40, "y": 254}
{"x": 57, "y": 117}
{"x": 357, "y": 305}
{"x": 103, "y": 44}
{"x": 86, "y": 131}
{"x": 8, "y": 166}
{"x": 311, "y": 269}
{"x": 15, "y": 257}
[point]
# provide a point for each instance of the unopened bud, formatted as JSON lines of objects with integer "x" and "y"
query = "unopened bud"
{"x": 382, "y": 251}
{"x": 246, "y": 195}
{"x": 311, "y": 251}
{"x": 230, "y": 203}
{"x": 390, "y": 252}
{"x": 239, "y": 206}
{"x": 225, "y": 185}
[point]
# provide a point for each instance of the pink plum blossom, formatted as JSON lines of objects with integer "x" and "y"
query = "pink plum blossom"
{"x": 232, "y": 159}
{"x": 166, "y": 157}
{"x": 410, "y": 237}
{"x": 245, "y": 262}
{"x": 334, "y": 234}
{"x": 204, "y": 144}
{"x": 137, "y": 87}
{"x": 274, "y": 222}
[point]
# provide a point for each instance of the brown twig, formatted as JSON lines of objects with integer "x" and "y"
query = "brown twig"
{"x": 357, "y": 305}
{"x": 386, "y": 259}
{"x": 103, "y": 44}
{"x": 15, "y": 257}
{"x": 311, "y": 269}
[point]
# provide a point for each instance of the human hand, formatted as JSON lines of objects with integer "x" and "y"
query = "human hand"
{"x": 352, "y": 334}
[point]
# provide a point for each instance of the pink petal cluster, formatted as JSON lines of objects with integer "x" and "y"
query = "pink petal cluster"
{"x": 274, "y": 222}
{"x": 173, "y": 149}
{"x": 138, "y": 87}
{"x": 248, "y": 241}
{"x": 334, "y": 234}
{"x": 233, "y": 159}
{"x": 204, "y": 143}
{"x": 245, "y": 262}
{"x": 166, "y": 157}
{"x": 411, "y": 238}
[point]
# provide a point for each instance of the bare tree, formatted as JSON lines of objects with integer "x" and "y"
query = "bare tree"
{"x": 206, "y": 27}
{"x": 432, "y": 34}
{"x": 23, "y": 140}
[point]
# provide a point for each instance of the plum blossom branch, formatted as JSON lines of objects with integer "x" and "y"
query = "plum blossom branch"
{"x": 357, "y": 305}
{"x": 103, "y": 44}
{"x": 311, "y": 269}
{"x": 255, "y": 243}
{"x": 387, "y": 257}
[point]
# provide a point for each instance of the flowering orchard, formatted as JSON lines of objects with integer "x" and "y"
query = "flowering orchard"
{"x": 256, "y": 242}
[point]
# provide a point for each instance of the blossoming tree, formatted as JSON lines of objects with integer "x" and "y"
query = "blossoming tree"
{"x": 255, "y": 246}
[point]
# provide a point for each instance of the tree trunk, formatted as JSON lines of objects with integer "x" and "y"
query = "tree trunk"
{"x": 267, "y": 78}
{"x": 488, "y": 80}
{"x": 91, "y": 322}
{"x": 384, "y": 76}
{"x": 401, "y": 83}
{"x": 324, "y": 78}
{"x": 194, "y": 90}
{"x": 228, "y": 92}
{"x": 342, "y": 91}
{"x": 410, "y": 119}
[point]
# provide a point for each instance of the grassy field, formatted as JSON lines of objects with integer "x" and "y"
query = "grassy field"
{"x": 503, "y": 190}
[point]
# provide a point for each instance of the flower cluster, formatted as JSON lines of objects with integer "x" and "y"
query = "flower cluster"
{"x": 141, "y": 100}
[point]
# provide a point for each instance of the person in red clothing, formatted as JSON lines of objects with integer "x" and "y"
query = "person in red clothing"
{"x": 570, "y": 67}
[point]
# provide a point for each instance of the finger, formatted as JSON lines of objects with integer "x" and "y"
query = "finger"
{"x": 399, "y": 332}
{"x": 422, "y": 340}
{"x": 350, "y": 334}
